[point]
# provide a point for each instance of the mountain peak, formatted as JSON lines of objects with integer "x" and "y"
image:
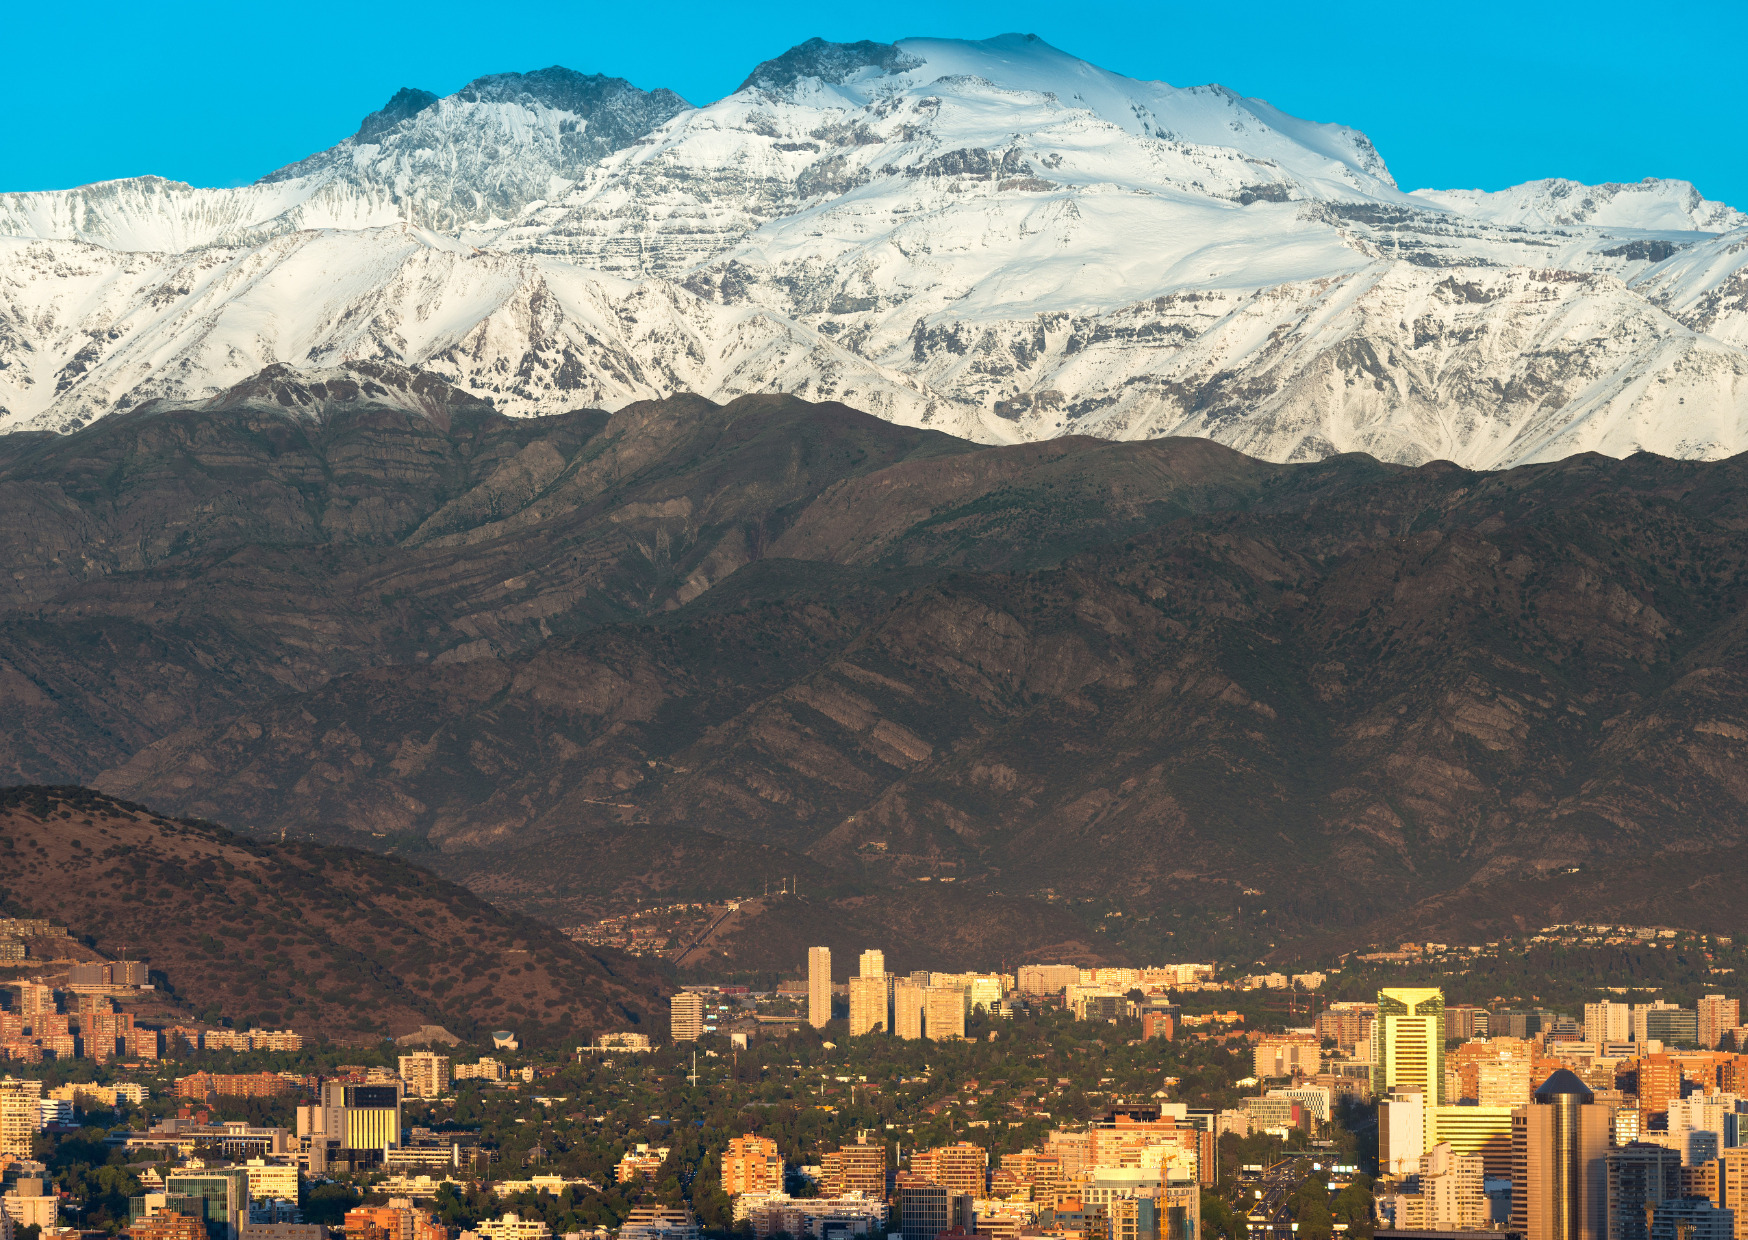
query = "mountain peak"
{"x": 408, "y": 101}
{"x": 567, "y": 91}
{"x": 829, "y": 62}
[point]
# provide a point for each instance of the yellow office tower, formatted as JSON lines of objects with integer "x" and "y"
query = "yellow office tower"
{"x": 1408, "y": 1046}
{"x": 1409, "y": 1049}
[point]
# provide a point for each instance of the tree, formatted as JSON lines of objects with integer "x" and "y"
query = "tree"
{"x": 328, "y": 1204}
{"x": 1218, "y": 1220}
{"x": 1353, "y": 1205}
{"x": 1313, "y": 1219}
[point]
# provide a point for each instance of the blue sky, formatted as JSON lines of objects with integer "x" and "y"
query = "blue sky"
{"x": 1455, "y": 96}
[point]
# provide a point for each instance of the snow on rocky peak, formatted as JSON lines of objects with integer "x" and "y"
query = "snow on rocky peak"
{"x": 487, "y": 151}
{"x": 1654, "y": 204}
{"x": 478, "y": 156}
{"x": 990, "y": 237}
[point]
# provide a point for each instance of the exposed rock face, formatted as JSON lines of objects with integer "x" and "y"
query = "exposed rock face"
{"x": 991, "y": 239}
{"x": 682, "y": 648}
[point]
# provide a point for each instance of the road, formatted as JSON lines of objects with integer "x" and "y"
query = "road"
{"x": 1262, "y": 1202}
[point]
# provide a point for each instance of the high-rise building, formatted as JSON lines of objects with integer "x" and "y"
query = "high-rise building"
{"x": 1138, "y": 1136}
{"x": 1560, "y": 1145}
{"x": 1691, "y": 1218}
{"x": 1465, "y": 1021}
{"x": 1639, "y": 1176}
{"x": 426, "y": 1074}
{"x": 1451, "y": 1189}
{"x": 1607, "y": 1022}
{"x": 1716, "y": 1017}
{"x": 1701, "y": 1181}
{"x": 1125, "y": 1218}
{"x": 1409, "y": 1047}
{"x": 1504, "y": 1081}
{"x": 1482, "y": 1131}
{"x": 751, "y": 1164}
{"x": 868, "y": 1002}
{"x": 1157, "y": 1024}
{"x": 927, "y": 1209}
{"x": 20, "y": 1115}
{"x": 1659, "y": 1083}
{"x": 1036, "y": 1173}
{"x": 819, "y": 986}
{"x": 1350, "y": 1024}
{"x": 944, "y": 1009}
{"x": 1047, "y": 979}
{"x": 350, "y": 1117}
{"x": 1518, "y": 1022}
{"x": 226, "y": 1193}
{"x": 872, "y": 963}
{"x": 908, "y": 1001}
{"x": 1641, "y": 1013}
{"x": 1732, "y": 1186}
{"x": 962, "y": 1168}
{"x": 1700, "y": 1126}
{"x": 686, "y": 1016}
{"x": 857, "y": 1168}
{"x": 1672, "y": 1026}
{"x": 1402, "y": 1131}
{"x": 1626, "y": 1126}
{"x": 1286, "y": 1054}
{"x": 984, "y": 990}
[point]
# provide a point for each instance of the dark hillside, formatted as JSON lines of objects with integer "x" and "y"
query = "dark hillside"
{"x": 302, "y": 935}
{"x": 590, "y": 662}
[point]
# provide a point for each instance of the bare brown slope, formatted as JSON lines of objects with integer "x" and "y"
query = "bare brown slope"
{"x": 174, "y": 565}
{"x": 1301, "y": 717}
{"x": 681, "y": 649}
{"x": 318, "y": 938}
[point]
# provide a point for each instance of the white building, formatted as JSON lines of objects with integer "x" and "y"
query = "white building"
{"x": 1607, "y": 1022}
{"x": 271, "y": 1180}
{"x": 426, "y": 1074}
{"x": 510, "y": 1227}
{"x": 1402, "y": 1132}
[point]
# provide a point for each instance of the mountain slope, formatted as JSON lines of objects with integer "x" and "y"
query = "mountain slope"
{"x": 586, "y": 661}
{"x": 321, "y": 939}
{"x": 220, "y": 555}
{"x": 990, "y": 238}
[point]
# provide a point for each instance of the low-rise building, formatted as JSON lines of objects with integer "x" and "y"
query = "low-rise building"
{"x": 512, "y": 1227}
{"x": 485, "y": 1070}
{"x": 641, "y": 1162}
{"x": 167, "y": 1225}
{"x": 851, "y": 1214}
{"x": 660, "y": 1223}
{"x": 269, "y": 1181}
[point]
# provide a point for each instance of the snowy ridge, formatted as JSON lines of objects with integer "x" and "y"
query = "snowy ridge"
{"x": 993, "y": 238}
{"x": 1651, "y": 204}
{"x": 537, "y": 335}
{"x": 151, "y": 214}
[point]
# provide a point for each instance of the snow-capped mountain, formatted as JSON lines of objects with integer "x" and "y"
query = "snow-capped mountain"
{"x": 993, "y": 238}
